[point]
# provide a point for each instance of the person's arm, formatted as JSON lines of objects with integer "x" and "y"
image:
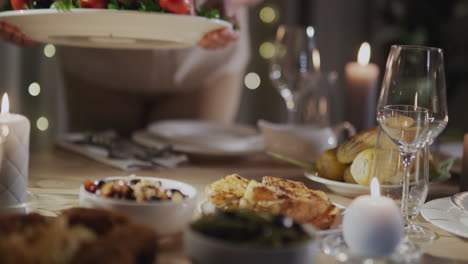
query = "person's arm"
{"x": 220, "y": 100}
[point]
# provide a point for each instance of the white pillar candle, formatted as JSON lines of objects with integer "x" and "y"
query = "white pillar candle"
{"x": 361, "y": 90}
{"x": 15, "y": 159}
{"x": 372, "y": 225}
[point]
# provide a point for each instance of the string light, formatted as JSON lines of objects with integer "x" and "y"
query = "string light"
{"x": 49, "y": 50}
{"x": 267, "y": 50}
{"x": 34, "y": 89}
{"x": 42, "y": 123}
{"x": 267, "y": 14}
{"x": 252, "y": 80}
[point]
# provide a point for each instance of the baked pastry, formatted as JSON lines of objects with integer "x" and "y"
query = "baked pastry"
{"x": 228, "y": 191}
{"x": 78, "y": 235}
{"x": 279, "y": 196}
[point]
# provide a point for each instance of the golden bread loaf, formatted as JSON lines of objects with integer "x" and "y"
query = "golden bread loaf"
{"x": 329, "y": 167}
{"x": 351, "y": 147}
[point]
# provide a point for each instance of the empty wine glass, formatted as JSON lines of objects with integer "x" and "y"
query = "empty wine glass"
{"x": 295, "y": 67}
{"x": 412, "y": 111}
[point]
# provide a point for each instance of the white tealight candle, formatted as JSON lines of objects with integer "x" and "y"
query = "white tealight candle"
{"x": 15, "y": 156}
{"x": 372, "y": 225}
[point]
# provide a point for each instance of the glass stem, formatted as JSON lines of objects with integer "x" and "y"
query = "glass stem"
{"x": 408, "y": 159}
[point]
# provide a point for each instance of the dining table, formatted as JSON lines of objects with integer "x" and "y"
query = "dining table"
{"x": 55, "y": 176}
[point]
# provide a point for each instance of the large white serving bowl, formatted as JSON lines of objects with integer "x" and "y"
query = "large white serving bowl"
{"x": 203, "y": 249}
{"x": 165, "y": 217}
{"x": 112, "y": 29}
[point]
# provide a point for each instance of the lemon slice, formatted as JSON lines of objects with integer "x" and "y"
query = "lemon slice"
{"x": 361, "y": 168}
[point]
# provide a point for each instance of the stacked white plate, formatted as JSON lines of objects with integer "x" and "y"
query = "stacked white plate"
{"x": 202, "y": 138}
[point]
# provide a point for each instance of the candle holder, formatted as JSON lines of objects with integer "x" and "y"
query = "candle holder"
{"x": 335, "y": 246}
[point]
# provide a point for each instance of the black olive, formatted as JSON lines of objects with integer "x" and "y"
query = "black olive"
{"x": 174, "y": 194}
{"x": 42, "y": 3}
{"x": 100, "y": 183}
{"x": 134, "y": 181}
{"x": 154, "y": 198}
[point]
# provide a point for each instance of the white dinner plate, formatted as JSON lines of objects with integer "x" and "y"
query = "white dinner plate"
{"x": 443, "y": 214}
{"x": 202, "y": 138}
{"x": 342, "y": 188}
{"x": 351, "y": 190}
{"x": 115, "y": 29}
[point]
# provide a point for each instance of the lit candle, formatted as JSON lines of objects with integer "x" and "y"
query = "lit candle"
{"x": 15, "y": 156}
{"x": 361, "y": 89}
{"x": 372, "y": 225}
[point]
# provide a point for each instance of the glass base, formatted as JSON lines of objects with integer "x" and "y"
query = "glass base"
{"x": 418, "y": 233}
{"x": 335, "y": 246}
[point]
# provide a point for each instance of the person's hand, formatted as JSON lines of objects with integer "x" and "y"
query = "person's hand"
{"x": 12, "y": 34}
{"x": 221, "y": 38}
{"x": 218, "y": 39}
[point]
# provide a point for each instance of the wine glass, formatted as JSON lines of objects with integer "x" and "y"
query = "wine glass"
{"x": 295, "y": 67}
{"x": 388, "y": 169}
{"x": 412, "y": 111}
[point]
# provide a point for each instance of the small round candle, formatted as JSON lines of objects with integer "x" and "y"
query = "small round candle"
{"x": 372, "y": 225}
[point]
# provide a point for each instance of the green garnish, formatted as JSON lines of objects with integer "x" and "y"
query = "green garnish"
{"x": 214, "y": 14}
{"x": 65, "y": 5}
{"x": 247, "y": 227}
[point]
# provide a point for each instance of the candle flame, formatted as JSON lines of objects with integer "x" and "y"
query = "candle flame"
{"x": 375, "y": 187}
{"x": 316, "y": 59}
{"x": 5, "y": 104}
{"x": 310, "y": 31}
{"x": 364, "y": 54}
{"x": 416, "y": 101}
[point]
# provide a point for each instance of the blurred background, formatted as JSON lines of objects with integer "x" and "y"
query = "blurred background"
{"x": 30, "y": 78}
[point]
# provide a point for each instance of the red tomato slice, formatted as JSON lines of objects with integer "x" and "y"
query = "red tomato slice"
{"x": 93, "y": 4}
{"x": 19, "y": 4}
{"x": 176, "y": 6}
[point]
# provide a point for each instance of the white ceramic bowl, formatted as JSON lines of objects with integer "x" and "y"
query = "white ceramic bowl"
{"x": 302, "y": 142}
{"x": 166, "y": 217}
{"x": 206, "y": 250}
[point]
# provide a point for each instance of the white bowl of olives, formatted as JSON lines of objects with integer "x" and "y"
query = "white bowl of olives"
{"x": 166, "y": 205}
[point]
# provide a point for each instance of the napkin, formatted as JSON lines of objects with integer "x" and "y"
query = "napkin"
{"x": 72, "y": 143}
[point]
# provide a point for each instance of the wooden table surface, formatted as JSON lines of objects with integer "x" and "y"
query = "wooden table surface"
{"x": 55, "y": 176}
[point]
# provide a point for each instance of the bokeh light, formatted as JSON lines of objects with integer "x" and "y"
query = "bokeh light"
{"x": 267, "y": 14}
{"x": 267, "y": 50}
{"x": 42, "y": 123}
{"x": 49, "y": 50}
{"x": 34, "y": 89}
{"x": 252, "y": 80}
